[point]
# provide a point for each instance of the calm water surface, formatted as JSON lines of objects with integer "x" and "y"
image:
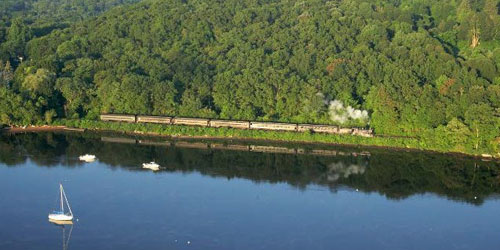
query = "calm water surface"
{"x": 232, "y": 198}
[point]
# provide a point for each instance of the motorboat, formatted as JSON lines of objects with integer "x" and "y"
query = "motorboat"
{"x": 87, "y": 158}
{"x": 152, "y": 165}
{"x": 61, "y": 215}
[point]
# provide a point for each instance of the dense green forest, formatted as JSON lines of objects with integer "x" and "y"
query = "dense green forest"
{"x": 21, "y": 21}
{"x": 403, "y": 67}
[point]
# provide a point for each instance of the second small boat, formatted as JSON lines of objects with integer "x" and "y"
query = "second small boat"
{"x": 152, "y": 165}
{"x": 87, "y": 158}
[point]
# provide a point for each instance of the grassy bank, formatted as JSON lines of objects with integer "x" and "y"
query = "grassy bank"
{"x": 172, "y": 130}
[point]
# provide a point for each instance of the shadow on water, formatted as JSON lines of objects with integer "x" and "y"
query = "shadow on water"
{"x": 395, "y": 174}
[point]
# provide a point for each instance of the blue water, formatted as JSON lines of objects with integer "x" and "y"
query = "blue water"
{"x": 121, "y": 207}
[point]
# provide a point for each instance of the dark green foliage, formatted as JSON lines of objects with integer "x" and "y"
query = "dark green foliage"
{"x": 20, "y": 21}
{"x": 6, "y": 74}
{"x": 409, "y": 63}
{"x": 16, "y": 110}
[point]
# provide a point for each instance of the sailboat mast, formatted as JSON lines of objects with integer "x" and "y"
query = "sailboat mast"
{"x": 61, "y": 191}
{"x": 66, "y": 199}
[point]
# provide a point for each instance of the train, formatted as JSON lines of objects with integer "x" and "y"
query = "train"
{"x": 215, "y": 123}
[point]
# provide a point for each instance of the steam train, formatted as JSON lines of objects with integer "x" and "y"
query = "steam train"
{"x": 214, "y": 123}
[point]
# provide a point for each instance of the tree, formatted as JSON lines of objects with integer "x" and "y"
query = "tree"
{"x": 484, "y": 122}
{"x": 475, "y": 32}
{"x": 163, "y": 98}
{"x": 491, "y": 19}
{"x": 464, "y": 11}
{"x": 18, "y": 35}
{"x": 15, "y": 110}
{"x": 7, "y": 74}
{"x": 42, "y": 82}
{"x": 2, "y": 81}
{"x": 49, "y": 115}
{"x": 464, "y": 16}
{"x": 457, "y": 134}
{"x": 76, "y": 96}
{"x": 384, "y": 115}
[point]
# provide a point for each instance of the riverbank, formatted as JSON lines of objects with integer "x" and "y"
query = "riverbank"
{"x": 278, "y": 136}
{"x": 192, "y": 132}
{"x": 34, "y": 128}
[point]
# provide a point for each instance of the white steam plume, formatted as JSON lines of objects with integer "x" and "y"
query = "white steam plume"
{"x": 341, "y": 114}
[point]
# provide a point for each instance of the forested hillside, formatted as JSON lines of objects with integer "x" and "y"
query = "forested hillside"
{"x": 426, "y": 68}
{"x": 28, "y": 19}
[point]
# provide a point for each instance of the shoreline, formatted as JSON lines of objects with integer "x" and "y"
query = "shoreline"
{"x": 44, "y": 128}
{"x": 54, "y": 128}
{"x": 249, "y": 139}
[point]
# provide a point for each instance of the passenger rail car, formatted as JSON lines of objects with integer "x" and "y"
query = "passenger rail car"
{"x": 273, "y": 126}
{"x": 118, "y": 118}
{"x": 345, "y": 131}
{"x": 318, "y": 128}
{"x": 229, "y": 124}
{"x": 191, "y": 121}
{"x": 154, "y": 119}
{"x": 363, "y": 132}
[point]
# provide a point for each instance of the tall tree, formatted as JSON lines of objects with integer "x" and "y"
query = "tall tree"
{"x": 18, "y": 35}
{"x": 7, "y": 74}
{"x": 492, "y": 18}
{"x": 42, "y": 82}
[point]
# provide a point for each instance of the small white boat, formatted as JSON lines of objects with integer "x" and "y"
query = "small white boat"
{"x": 61, "y": 215}
{"x": 87, "y": 158}
{"x": 152, "y": 165}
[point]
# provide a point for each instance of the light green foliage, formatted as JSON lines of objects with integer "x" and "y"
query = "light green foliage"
{"x": 42, "y": 82}
{"x": 484, "y": 123}
{"x": 6, "y": 74}
{"x": 49, "y": 115}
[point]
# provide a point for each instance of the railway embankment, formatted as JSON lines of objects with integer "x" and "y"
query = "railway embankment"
{"x": 200, "y": 128}
{"x": 224, "y": 133}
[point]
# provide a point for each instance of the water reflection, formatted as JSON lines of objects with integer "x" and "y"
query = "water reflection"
{"x": 340, "y": 170}
{"x": 67, "y": 229}
{"x": 395, "y": 174}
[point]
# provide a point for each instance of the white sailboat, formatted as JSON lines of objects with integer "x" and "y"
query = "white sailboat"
{"x": 61, "y": 215}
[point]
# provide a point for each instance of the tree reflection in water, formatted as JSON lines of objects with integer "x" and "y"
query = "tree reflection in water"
{"x": 396, "y": 174}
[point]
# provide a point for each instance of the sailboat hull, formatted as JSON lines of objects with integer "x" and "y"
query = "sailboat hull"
{"x": 60, "y": 217}
{"x": 61, "y": 222}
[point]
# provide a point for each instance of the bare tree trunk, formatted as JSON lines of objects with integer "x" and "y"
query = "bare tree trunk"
{"x": 475, "y": 36}
{"x": 477, "y": 139}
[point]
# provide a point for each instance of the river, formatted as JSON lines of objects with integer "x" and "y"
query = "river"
{"x": 241, "y": 195}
